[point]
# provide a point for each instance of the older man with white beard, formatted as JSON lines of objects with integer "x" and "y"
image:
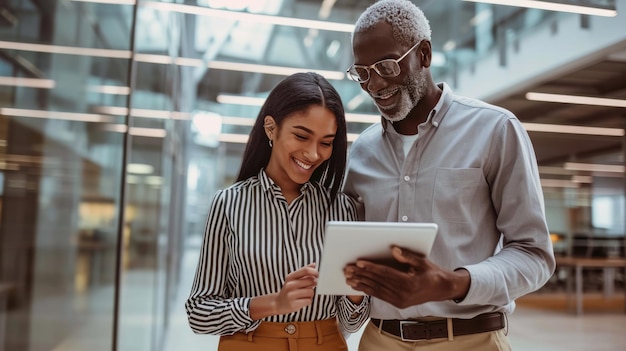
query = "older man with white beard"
{"x": 462, "y": 163}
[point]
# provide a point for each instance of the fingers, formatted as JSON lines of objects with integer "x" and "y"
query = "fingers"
{"x": 298, "y": 290}
{"x": 416, "y": 260}
{"x": 373, "y": 279}
{"x": 309, "y": 270}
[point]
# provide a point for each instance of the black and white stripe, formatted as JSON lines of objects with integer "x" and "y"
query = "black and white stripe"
{"x": 253, "y": 240}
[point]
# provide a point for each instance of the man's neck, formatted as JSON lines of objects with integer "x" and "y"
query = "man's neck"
{"x": 419, "y": 114}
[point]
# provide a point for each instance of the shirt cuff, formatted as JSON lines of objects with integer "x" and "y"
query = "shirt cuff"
{"x": 480, "y": 287}
{"x": 353, "y": 309}
{"x": 242, "y": 314}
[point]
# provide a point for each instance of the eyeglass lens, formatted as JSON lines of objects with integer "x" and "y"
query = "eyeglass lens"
{"x": 385, "y": 68}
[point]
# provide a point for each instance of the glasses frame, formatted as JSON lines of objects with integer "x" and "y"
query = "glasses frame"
{"x": 373, "y": 66}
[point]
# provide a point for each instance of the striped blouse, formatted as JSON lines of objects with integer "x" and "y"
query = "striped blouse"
{"x": 253, "y": 240}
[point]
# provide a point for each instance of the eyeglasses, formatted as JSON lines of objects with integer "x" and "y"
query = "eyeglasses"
{"x": 385, "y": 68}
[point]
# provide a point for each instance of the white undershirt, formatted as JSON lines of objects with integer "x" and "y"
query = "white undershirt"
{"x": 407, "y": 142}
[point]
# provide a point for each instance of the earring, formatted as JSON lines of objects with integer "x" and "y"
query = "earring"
{"x": 271, "y": 143}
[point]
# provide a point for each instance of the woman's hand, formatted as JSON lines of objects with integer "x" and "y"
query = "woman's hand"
{"x": 297, "y": 292}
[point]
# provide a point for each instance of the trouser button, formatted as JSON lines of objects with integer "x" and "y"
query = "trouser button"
{"x": 290, "y": 329}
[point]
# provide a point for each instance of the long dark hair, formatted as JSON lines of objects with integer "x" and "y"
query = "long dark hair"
{"x": 297, "y": 93}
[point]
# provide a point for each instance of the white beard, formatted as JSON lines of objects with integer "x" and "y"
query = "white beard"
{"x": 411, "y": 93}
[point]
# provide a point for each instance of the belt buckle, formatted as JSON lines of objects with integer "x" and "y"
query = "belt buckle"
{"x": 403, "y": 323}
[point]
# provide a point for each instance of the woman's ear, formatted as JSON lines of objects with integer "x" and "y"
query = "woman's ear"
{"x": 270, "y": 126}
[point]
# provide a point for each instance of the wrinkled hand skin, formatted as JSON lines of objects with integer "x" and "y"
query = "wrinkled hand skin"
{"x": 422, "y": 282}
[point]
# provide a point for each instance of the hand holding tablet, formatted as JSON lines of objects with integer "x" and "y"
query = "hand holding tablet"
{"x": 346, "y": 242}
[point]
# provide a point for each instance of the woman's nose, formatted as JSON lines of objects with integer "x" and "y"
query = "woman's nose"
{"x": 311, "y": 153}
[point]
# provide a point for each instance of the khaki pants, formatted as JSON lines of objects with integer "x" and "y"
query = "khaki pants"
{"x": 376, "y": 340}
{"x": 297, "y": 336}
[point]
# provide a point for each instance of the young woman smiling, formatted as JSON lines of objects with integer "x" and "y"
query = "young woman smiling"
{"x": 256, "y": 277}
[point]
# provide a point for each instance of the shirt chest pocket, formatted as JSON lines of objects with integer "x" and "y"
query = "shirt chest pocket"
{"x": 455, "y": 193}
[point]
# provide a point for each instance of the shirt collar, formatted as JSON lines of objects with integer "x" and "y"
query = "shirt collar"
{"x": 439, "y": 111}
{"x": 436, "y": 114}
{"x": 268, "y": 185}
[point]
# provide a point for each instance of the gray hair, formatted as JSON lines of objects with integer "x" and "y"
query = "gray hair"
{"x": 408, "y": 23}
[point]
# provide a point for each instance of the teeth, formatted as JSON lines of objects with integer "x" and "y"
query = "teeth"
{"x": 303, "y": 165}
{"x": 386, "y": 95}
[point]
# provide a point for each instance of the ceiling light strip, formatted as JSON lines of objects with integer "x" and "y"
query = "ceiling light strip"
{"x": 233, "y": 138}
{"x": 566, "y": 129}
{"x": 69, "y": 116}
{"x": 574, "y": 99}
{"x": 554, "y": 170}
{"x": 148, "y": 132}
{"x": 558, "y": 183}
{"x": 162, "y": 59}
{"x": 168, "y": 60}
{"x": 277, "y": 70}
{"x": 593, "y": 167}
{"x": 109, "y": 89}
{"x": 240, "y": 100}
{"x": 251, "y": 17}
{"x": 362, "y": 118}
{"x": 66, "y": 50}
{"x": 236, "y": 66}
{"x": 582, "y": 179}
{"x": 238, "y": 121}
{"x": 27, "y": 82}
{"x": 136, "y": 131}
{"x": 112, "y": 2}
{"x": 352, "y": 137}
{"x": 551, "y": 6}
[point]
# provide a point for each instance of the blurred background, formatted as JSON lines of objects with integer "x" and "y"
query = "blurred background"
{"x": 119, "y": 119}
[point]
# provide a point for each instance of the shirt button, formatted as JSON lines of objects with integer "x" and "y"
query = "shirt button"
{"x": 290, "y": 329}
{"x": 407, "y": 178}
{"x": 405, "y": 218}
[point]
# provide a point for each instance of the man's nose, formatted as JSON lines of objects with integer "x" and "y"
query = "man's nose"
{"x": 375, "y": 83}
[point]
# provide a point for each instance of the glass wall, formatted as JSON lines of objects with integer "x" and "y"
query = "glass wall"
{"x": 92, "y": 169}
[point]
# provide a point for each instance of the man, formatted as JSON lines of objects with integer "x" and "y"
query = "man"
{"x": 461, "y": 163}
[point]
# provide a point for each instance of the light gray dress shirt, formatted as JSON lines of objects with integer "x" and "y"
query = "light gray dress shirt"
{"x": 473, "y": 171}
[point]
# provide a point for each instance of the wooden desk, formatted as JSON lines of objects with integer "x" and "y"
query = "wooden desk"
{"x": 578, "y": 263}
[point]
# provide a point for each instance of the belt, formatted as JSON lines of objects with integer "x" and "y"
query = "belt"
{"x": 411, "y": 330}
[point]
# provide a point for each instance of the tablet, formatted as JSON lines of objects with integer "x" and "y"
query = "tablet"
{"x": 345, "y": 242}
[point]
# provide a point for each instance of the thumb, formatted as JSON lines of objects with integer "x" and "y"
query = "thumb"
{"x": 407, "y": 256}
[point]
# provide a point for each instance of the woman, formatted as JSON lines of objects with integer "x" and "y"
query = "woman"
{"x": 256, "y": 276}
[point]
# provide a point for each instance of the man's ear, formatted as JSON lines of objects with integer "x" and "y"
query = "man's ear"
{"x": 269, "y": 124}
{"x": 426, "y": 53}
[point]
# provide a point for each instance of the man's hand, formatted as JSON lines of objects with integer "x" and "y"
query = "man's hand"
{"x": 419, "y": 280}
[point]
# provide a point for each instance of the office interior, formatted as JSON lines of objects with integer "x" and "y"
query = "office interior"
{"x": 119, "y": 119}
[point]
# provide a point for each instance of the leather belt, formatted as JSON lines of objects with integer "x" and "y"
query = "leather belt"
{"x": 411, "y": 330}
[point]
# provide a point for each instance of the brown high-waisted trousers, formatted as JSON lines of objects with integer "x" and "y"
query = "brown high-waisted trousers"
{"x": 296, "y": 336}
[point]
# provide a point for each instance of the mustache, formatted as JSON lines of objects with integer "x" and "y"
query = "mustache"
{"x": 380, "y": 93}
